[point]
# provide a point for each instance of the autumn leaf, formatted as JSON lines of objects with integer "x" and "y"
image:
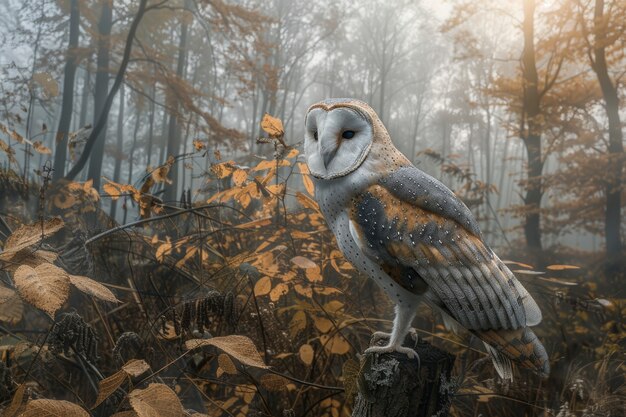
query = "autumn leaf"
{"x": 273, "y": 382}
{"x": 303, "y": 262}
{"x": 135, "y": 367}
{"x": 41, "y": 148}
{"x": 198, "y": 145}
{"x": 16, "y": 402}
{"x": 337, "y": 344}
{"x": 306, "y": 354}
{"x": 108, "y": 386}
{"x": 297, "y": 324}
{"x": 93, "y": 288}
{"x": 278, "y": 291}
{"x": 46, "y": 286}
{"x": 47, "y": 82}
{"x": 306, "y": 178}
{"x": 272, "y": 126}
{"x": 29, "y": 235}
{"x": 226, "y": 363}
{"x": 263, "y": 286}
{"x": 11, "y": 306}
{"x": 306, "y": 201}
{"x": 158, "y": 400}
{"x": 239, "y": 347}
{"x": 53, "y": 408}
{"x": 561, "y": 267}
{"x": 349, "y": 373}
{"x": 323, "y": 324}
{"x": 239, "y": 176}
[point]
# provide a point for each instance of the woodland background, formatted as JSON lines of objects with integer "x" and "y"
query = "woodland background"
{"x": 161, "y": 249}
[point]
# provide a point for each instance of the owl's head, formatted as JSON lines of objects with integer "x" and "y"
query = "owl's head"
{"x": 339, "y": 136}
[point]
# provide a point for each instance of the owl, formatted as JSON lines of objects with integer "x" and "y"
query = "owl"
{"x": 412, "y": 236}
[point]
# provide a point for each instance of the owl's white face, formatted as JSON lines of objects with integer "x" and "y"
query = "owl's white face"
{"x": 336, "y": 142}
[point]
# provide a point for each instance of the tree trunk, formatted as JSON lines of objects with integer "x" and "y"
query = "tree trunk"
{"x": 60, "y": 155}
{"x": 616, "y": 147}
{"x": 119, "y": 77}
{"x": 174, "y": 131}
{"x": 119, "y": 149}
{"x": 531, "y": 132}
{"x": 102, "y": 90}
{"x": 392, "y": 385}
{"x": 151, "y": 124}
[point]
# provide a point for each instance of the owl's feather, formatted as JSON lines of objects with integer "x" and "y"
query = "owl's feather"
{"x": 421, "y": 233}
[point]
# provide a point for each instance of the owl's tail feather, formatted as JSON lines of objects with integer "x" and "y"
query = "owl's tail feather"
{"x": 520, "y": 345}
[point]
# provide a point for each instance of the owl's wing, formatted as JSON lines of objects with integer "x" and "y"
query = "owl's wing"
{"x": 411, "y": 223}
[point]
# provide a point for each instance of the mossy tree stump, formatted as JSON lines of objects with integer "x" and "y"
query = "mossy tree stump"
{"x": 392, "y": 385}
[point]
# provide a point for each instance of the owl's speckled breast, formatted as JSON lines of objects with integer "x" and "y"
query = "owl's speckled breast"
{"x": 334, "y": 198}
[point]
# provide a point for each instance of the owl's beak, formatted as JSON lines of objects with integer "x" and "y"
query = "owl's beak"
{"x": 329, "y": 157}
{"x": 328, "y": 149}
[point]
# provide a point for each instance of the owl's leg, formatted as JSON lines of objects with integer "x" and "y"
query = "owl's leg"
{"x": 377, "y": 336}
{"x": 401, "y": 326}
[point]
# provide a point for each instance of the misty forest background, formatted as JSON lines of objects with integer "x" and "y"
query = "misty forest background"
{"x": 161, "y": 247}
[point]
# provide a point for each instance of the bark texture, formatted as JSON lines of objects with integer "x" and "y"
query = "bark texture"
{"x": 392, "y": 385}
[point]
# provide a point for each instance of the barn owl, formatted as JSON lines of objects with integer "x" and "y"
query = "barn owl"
{"x": 412, "y": 236}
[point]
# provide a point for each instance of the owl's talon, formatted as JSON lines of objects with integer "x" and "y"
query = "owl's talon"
{"x": 377, "y": 336}
{"x": 394, "y": 348}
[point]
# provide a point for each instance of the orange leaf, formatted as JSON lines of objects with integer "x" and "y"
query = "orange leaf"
{"x": 272, "y": 126}
{"x": 561, "y": 267}
{"x": 306, "y": 354}
{"x": 239, "y": 176}
{"x": 303, "y": 262}
{"x": 263, "y": 286}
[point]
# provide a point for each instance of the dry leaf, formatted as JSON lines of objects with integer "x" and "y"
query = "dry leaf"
{"x": 158, "y": 400}
{"x": 16, "y": 402}
{"x": 306, "y": 201}
{"x": 226, "y": 363}
{"x": 306, "y": 354}
{"x": 53, "y": 408}
{"x": 239, "y": 176}
{"x": 313, "y": 274}
{"x": 263, "y": 286}
{"x": 41, "y": 148}
{"x": 136, "y": 367}
{"x": 49, "y": 84}
{"x": 239, "y": 347}
{"x": 303, "y": 262}
{"x": 561, "y": 267}
{"x": 30, "y": 258}
{"x": 198, "y": 145}
{"x": 108, "y": 386}
{"x": 111, "y": 190}
{"x": 527, "y": 272}
{"x": 46, "y": 286}
{"x": 28, "y": 235}
{"x": 518, "y": 264}
{"x": 557, "y": 281}
{"x": 278, "y": 291}
{"x": 297, "y": 324}
{"x": 11, "y": 306}
{"x": 349, "y": 373}
{"x": 306, "y": 178}
{"x": 93, "y": 288}
{"x": 273, "y": 382}
{"x": 323, "y": 324}
{"x": 272, "y": 126}
{"x": 336, "y": 344}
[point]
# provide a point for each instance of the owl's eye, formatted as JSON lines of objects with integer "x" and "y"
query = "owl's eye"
{"x": 348, "y": 134}
{"x": 315, "y": 134}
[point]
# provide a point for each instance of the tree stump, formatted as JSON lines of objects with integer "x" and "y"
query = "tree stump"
{"x": 392, "y": 385}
